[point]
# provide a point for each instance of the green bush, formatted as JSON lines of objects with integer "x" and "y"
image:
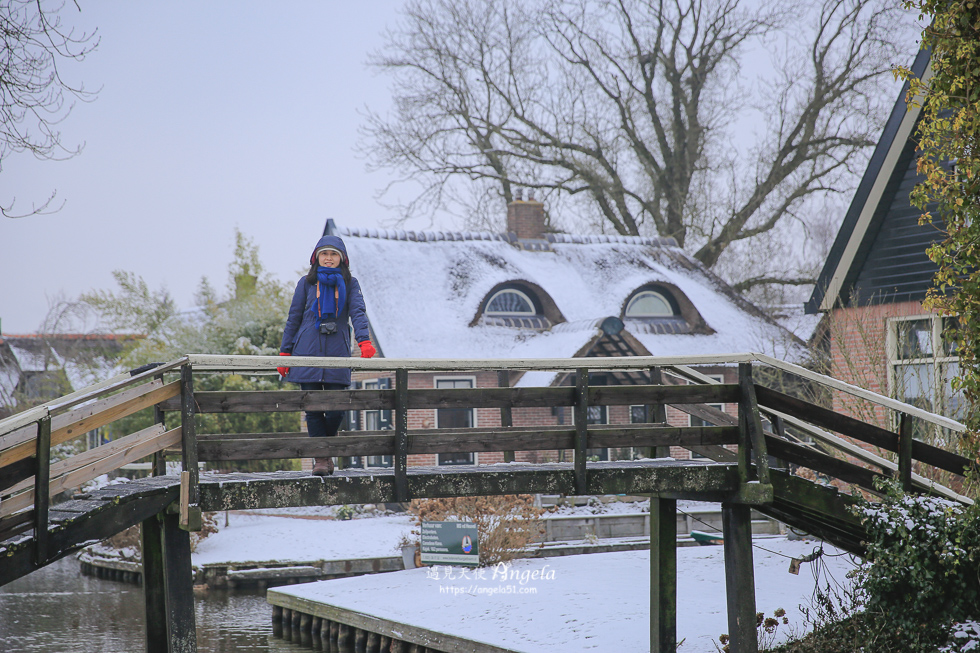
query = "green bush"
{"x": 922, "y": 571}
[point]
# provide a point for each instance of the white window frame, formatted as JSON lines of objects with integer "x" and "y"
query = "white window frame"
{"x": 645, "y": 413}
{"x": 473, "y": 411}
{"x": 662, "y": 296}
{"x": 521, "y": 293}
{"x": 938, "y": 360}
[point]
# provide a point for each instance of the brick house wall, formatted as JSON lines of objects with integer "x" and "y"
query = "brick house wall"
{"x": 860, "y": 347}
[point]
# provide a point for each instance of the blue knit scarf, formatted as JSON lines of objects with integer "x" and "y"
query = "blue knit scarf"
{"x": 327, "y": 280}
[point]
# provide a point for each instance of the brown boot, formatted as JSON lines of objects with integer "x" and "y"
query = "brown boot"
{"x": 322, "y": 466}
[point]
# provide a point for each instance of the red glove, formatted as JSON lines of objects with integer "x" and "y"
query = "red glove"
{"x": 283, "y": 370}
{"x": 367, "y": 349}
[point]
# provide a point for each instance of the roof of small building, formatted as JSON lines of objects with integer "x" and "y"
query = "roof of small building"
{"x": 84, "y": 358}
{"x": 425, "y": 291}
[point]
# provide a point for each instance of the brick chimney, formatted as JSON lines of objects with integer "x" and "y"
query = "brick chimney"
{"x": 526, "y": 218}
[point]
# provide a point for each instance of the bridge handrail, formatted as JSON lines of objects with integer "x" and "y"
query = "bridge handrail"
{"x": 215, "y": 362}
{"x": 17, "y": 431}
{"x": 856, "y": 391}
{"x": 836, "y": 442}
{"x": 88, "y": 393}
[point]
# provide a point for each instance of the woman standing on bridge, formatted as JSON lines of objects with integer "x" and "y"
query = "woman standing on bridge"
{"x": 325, "y": 299}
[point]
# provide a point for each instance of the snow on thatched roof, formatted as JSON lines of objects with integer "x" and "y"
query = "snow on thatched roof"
{"x": 425, "y": 292}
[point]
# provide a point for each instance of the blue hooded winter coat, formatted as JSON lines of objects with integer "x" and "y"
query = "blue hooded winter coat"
{"x": 301, "y": 336}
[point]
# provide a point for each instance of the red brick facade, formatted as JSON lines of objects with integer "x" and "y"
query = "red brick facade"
{"x": 860, "y": 347}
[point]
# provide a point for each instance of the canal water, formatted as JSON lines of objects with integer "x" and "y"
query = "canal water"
{"x": 58, "y": 610}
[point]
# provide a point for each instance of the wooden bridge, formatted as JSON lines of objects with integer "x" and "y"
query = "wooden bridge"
{"x": 746, "y": 462}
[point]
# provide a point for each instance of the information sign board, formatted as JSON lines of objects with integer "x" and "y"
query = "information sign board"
{"x": 450, "y": 542}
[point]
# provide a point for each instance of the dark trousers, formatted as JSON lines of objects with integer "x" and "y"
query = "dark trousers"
{"x": 323, "y": 423}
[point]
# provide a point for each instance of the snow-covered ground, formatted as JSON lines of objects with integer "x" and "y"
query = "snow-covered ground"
{"x": 301, "y": 537}
{"x": 315, "y": 533}
{"x": 587, "y": 602}
{"x": 595, "y": 602}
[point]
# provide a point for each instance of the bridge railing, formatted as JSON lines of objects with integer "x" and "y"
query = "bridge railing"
{"x": 29, "y": 478}
{"x": 832, "y": 444}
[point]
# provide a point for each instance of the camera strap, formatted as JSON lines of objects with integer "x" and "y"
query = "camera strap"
{"x": 336, "y": 301}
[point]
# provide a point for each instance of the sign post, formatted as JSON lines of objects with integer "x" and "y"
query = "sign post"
{"x": 450, "y": 542}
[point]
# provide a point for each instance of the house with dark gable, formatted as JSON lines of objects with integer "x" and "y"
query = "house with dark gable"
{"x": 876, "y": 276}
{"x": 529, "y": 293}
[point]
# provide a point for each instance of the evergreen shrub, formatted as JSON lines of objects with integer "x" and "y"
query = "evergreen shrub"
{"x": 922, "y": 571}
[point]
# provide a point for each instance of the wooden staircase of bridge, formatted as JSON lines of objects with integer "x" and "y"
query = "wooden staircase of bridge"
{"x": 736, "y": 472}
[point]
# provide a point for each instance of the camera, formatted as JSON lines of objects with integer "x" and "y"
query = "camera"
{"x": 328, "y": 327}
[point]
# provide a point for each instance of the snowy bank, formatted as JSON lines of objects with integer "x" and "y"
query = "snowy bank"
{"x": 591, "y": 602}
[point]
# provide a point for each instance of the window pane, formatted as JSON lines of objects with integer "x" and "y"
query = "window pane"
{"x": 951, "y": 326}
{"x": 454, "y": 383}
{"x": 638, "y": 414}
{"x": 455, "y": 459}
{"x": 954, "y": 403}
{"x": 510, "y": 302}
{"x": 457, "y": 418}
{"x": 914, "y": 339}
{"x": 596, "y": 455}
{"x": 596, "y": 415}
{"x": 916, "y": 384}
{"x": 649, "y": 304}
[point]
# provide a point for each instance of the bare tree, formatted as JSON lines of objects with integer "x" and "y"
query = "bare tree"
{"x": 34, "y": 97}
{"x": 709, "y": 121}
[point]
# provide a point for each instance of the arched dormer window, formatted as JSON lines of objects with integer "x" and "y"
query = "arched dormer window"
{"x": 662, "y": 308}
{"x": 649, "y": 303}
{"x": 520, "y": 304}
{"x": 510, "y": 301}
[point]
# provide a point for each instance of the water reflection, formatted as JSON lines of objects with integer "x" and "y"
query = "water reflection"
{"x": 58, "y": 610}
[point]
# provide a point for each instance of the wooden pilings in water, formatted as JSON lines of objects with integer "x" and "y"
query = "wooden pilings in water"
{"x": 168, "y": 586}
{"x": 111, "y": 573}
{"x": 334, "y": 637}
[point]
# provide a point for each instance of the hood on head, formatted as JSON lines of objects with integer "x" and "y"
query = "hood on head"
{"x": 330, "y": 241}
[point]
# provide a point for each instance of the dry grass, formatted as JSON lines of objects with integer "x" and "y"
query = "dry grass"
{"x": 508, "y": 525}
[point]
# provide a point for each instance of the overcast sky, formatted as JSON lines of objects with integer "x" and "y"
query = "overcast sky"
{"x": 211, "y": 116}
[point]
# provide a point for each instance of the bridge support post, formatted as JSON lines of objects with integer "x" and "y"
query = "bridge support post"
{"x": 663, "y": 575}
{"x": 42, "y": 493}
{"x": 154, "y": 592}
{"x": 401, "y": 436}
{"x": 159, "y": 461}
{"x": 581, "y": 430}
{"x": 168, "y": 586}
{"x": 750, "y": 430}
{"x": 739, "y": 577}
{"x": 190, "y": 511}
